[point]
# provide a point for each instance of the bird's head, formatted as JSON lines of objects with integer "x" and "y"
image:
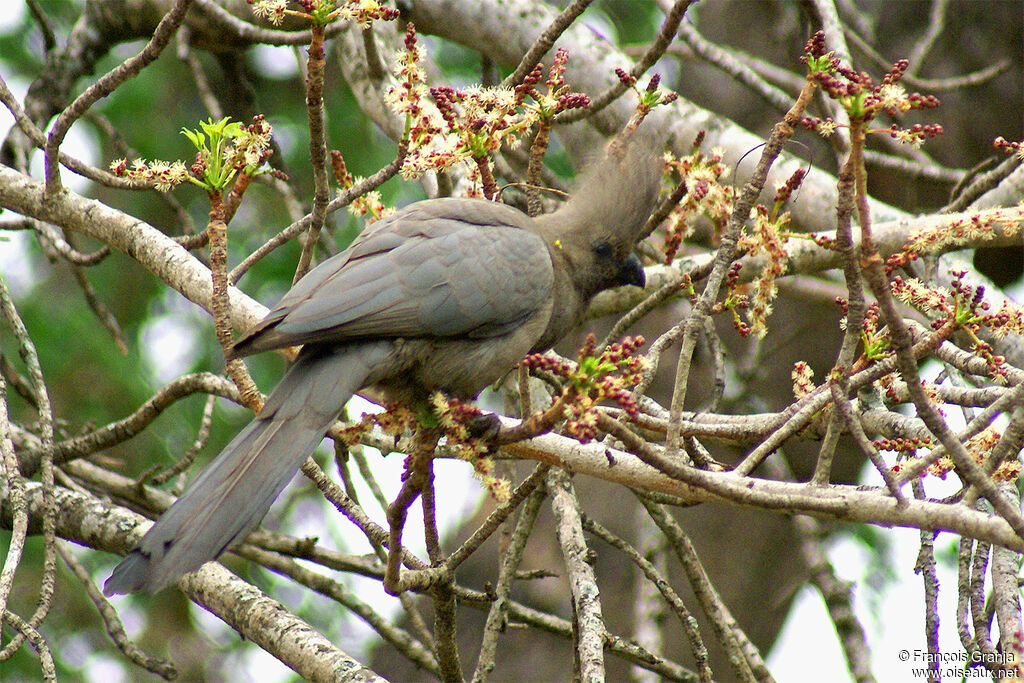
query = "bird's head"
{"x": 597, "y": 229}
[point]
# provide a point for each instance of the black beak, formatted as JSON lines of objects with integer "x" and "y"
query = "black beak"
{"x": 631, "y": 273}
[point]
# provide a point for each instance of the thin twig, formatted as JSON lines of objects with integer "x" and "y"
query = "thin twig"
{"x": 845, "y": 412}
{"x": 47, "y": 582}
{"x": 335, "y": 591}
{"x": 112, "y": 622}
{"x": 965, "y": 553}
{"x": 315, "y": 64}
{"x": 725, "y": 255}
{"x": 544, "y": 42}
{"x": 25, "y": 631}
{"x": 339, "y": 202}
{"x": 650, "y": 611}
{"x": 125, "y": 428}
{"x": 855, "y": 309}
{"x": 743, "y": 655}
{"x": 1006, "y": 566}
{"x": 38, "y": 138}
{"x": 99, "y": 309}
{"x": 205, "y": 91}
{"x": 106, "y": 84}
{"x": 686, "y": 620}
{"x": 220, "y": 306}
{"x": 15, "y": 502}
{"x": 202, "y": 436}
{"x": 838, "y": 598}
{"x": 498, "y": 613}
{"x": 925, "y": 566}
{"x": 658, "y": 46}
{"x": 48, "y": 235}
{"x": 445, "y": 630}
{"x": 588, "y": 622}
{"x": 414, "y": 479}
{"x": 497, "y": 517}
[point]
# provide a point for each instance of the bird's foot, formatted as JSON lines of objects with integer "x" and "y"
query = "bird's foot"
{"x": 484, "y": 426}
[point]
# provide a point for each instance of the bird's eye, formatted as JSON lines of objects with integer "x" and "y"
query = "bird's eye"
{"x": 603, "y": 249}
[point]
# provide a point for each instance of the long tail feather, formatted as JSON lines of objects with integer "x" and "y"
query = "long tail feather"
{"x": 230, "y": 497}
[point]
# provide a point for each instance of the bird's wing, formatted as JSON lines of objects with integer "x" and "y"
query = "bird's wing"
{"x": 439, "y": 268}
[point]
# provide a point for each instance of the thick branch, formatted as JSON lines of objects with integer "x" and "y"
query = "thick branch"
{"x": 246, "y": 609}
{"x": 848, "y": 503}
{"x": 155, "y": 251}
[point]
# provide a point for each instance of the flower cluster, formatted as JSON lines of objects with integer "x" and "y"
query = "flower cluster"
{"x": 965, "y": 306}
{"x": 862, "y": 98}
{"x": 273, "y": 11}
{"x": 395, "y": 420}
{"x": 163, "y": 174}
{"x": 706, "y": 196}
{"x": 365, "y": 12}
{"x": 916, "y": 134}
{"x": 652, "y": 95}
{"x": 367, "y": 204}
{"x": 941, "y": 467}
{"x": 904, "y": 447}
{"x": 947, "y": 234}
{"x": 409, "y": 97}
{"x": 1009, "y": 147}
{"x": 481, "y": 118}
{"x": 1009, "y": 318}
{"x": 802, "y": 376}
{"x": 935, "y": 239}
{"x": 647, "y": 100}
{"x": 225, "y": 148}
{"x": 595, "y": 378}
{"x": 823, "y": 241}
{"x": 1008, "y": 471}
{"x": 453, "y": 416}
{"x": 978, "y": 446}
{"x": 765, "y": 239}
{"x": 826, "y": 127}
{"x": 887, "y": 389}
{"x": 874, "y": 336}
{"x": 557, "y": 97}
{"x": 766, "y": 236}
{"x": 736, "y": 299}
{"x": 250, "y": 144}
{"x": 982, "y": 443}
{"x": 446, "y": 125}
{"x": 786, "y": 190}
{"x": 923, "y": 297}
{"x": 323, "y": 12}
{"x": 815, "y": 57}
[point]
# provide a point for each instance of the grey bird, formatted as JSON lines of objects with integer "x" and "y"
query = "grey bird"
{"x": 446, "y": 294}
